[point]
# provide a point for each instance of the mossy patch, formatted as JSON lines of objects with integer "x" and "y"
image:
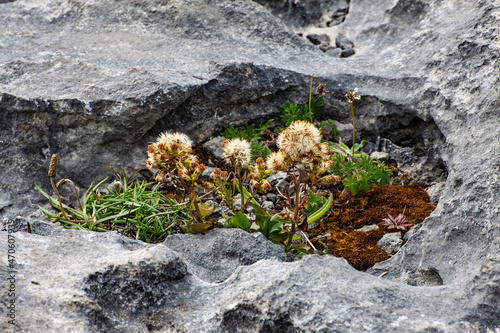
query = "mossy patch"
{"x": 354, "y": 211}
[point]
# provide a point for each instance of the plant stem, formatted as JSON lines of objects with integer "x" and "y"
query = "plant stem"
{"x": 59, "y": 198}
{"x": 240, "y": 187}
{"x": 353, "y": 130}
{"x": 295, "y": 210}
{"x": 76, "y": 192}
{"x": 310, "y": 97}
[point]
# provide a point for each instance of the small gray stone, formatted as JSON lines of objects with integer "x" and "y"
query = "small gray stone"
{"x": 333, "y": 52}
{"x": 208, "y": 170}
{"x": 268, "y": 205}
{"x": 272, "y": 197}
{"x": 215, "y": 146}
{"x": 346, "y": 53}
{"x": 324, "y": 47}
{"x": 237, "y": 204}
{"x": 380, "y": 155}
{"x": 367, "y": 228}
{"x": 283, "y": 185}
{"x": 277, "y": 176}
{"x": 391, "y": 242}
{"x": 343, "y": 42}
{"x": 317, "y": 39}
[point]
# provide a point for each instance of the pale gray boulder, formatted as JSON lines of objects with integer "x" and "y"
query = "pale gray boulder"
{"x": 97, "y": 81}
{"x": 71, "y": 281}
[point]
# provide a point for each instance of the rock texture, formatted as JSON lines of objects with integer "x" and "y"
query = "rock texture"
{"x": 96, "y": 81}
{"x": 130, "y": 286}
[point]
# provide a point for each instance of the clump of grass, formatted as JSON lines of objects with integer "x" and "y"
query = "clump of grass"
{"x": 136, "y": 209}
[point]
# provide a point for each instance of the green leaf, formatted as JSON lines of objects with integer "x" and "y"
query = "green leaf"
{"x": 205, "y": 209}
{"x": 292, "y": 112}
{"x": 351, "y": 184}
{"x": 241, "y": 221}
{"x": 253, "y": 203}
{"x": 320, "y": 212}
{"x": 197, "y": 228}
{"x": 358, "y": 146}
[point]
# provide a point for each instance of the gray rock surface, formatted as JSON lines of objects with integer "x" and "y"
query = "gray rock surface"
{"x": 391, "y": 242}
{"x": 212, "y": 284}
{"x": 97, "y": 81}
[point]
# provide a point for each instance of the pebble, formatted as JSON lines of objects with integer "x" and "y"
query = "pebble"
{"x": 435, "y": 191}
{"x": 317, "y": 39}
{"x": 367, "y": 228}
{"x": 347, "y": 53}
{"x": 333, "y": 52}
{"x": 268, "y": 205}
{"x": 382, "y": 156}
{"x": 343, "y": 42}
{"x": 391, "y": 242}
{"x": 277, "y": 176}
{"x": 215, "y": 146}
{"x": 272, "y": 197}
{"x": 282, "y": 187}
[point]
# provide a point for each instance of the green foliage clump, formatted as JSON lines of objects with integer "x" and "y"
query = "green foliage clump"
{"x": 292, "y": 112}
{"x": 135, "y": 208}
{"x": 360, "y": 174}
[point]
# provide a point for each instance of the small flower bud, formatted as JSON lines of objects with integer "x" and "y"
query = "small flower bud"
{"x": 118, "y": 187}
{"x": 160, "y": 177}
{"x": 266, "y": 186}
{"x": 61, "y": 182}
{"x": 208, "y": 185}
{"x": 98, "y": 195}
{"x": 53, "y": 166}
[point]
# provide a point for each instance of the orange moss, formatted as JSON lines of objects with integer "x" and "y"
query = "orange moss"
{"x": 352, "y": 212}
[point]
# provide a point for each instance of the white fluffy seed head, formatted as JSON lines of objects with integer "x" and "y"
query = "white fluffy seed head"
{"x": 299, "y": 139}
{"x": 237, "y": 152}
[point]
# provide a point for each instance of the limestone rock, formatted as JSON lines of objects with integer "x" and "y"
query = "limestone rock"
{"x": 225, "y": 281}
{"x": 391, "y": 242}
{"x": 96, "y": 81}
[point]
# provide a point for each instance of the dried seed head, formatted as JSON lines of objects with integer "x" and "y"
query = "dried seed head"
{"x": 331, "y": 179}
{"x": 168, "y": 148}
{"x": 351, "y": 95}
{"x": 160, "y": 177}
{"x": 200, "y": 168}
{"x": 321, "y": 90}
{"x": 276, "y": 161}
{"x": 298, "y": 139}
{"x": 208, "y": 185}
{"x": 252, "y": 175}
{"x": 178, "y": 140}
{"x": 237, "y": 152}
{"x": 53, "y": 166}
{"x": 266, "y": 186}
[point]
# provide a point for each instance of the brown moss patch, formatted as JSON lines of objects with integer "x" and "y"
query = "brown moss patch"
{"x": 354, "y": 211}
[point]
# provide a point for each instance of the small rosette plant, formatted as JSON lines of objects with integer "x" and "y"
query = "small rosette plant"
{"x": 400, "y": 222}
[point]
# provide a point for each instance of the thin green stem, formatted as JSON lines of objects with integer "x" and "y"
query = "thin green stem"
{"x": 76, "y": 192}
{"x": 59, "y": 198}
{"x": 310, "y": 97}
{"x": 353, "y": 131}
{"x": 295, "y": 210}
{"x": 240, "y": 187}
